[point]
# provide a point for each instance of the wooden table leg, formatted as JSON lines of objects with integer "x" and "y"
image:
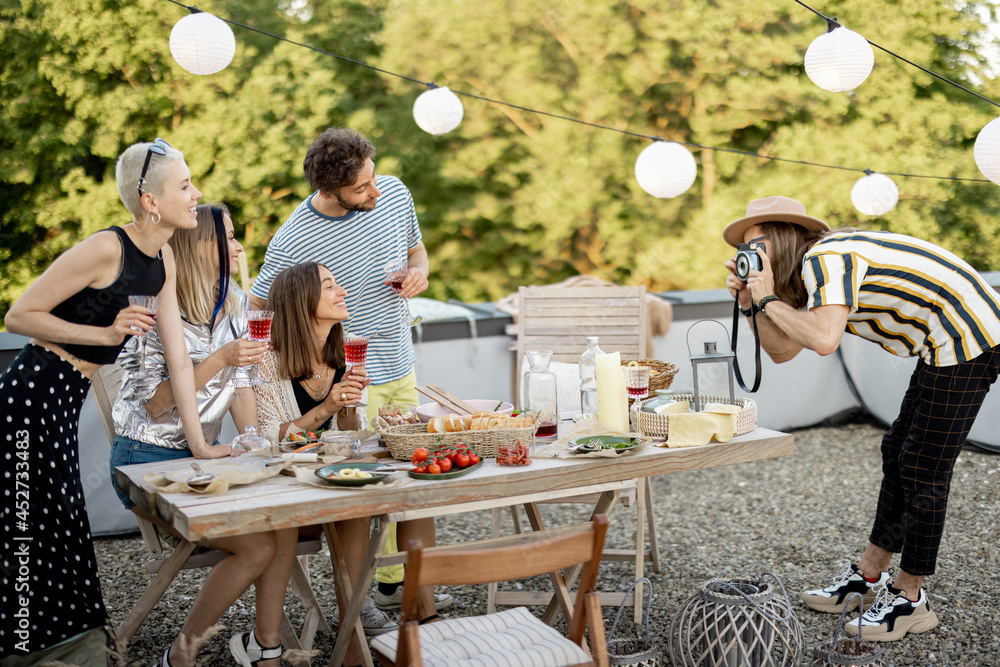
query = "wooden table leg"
{"x": 605, "y": 505}
{"x": 561, "y": 590}
{"x": 640, "y": 548}
{"x": 350, "y": 619}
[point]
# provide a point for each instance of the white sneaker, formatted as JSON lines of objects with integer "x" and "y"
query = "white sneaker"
{"x": 394, "y": 602}
{"x": 833, "y": 598}
{"x": 893, "y": 616}
{"x": 372, "y": 620}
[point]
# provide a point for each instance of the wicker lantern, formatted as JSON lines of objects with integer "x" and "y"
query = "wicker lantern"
{"x": 202, "y": 43}
{"x": 736, "y": 623}
{"x": 844, "y": 651}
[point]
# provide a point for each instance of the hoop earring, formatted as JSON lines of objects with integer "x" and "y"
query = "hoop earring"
{"x": 157, "y": 220}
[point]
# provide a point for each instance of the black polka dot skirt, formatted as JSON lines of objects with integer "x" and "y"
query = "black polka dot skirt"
{"x": 50, "y": 587}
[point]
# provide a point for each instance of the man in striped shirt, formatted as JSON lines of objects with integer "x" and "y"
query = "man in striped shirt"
{"x": 913, "y": 299}
{"x": 356, "y": 223}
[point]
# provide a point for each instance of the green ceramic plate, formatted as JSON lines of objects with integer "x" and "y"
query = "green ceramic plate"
{"x": 596, "y": 443}
{"x": 329, "y": 474}
{"x": 451, "y": 474}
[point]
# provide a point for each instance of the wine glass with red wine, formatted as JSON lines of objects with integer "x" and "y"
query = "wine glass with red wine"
{"x": 356, "y": 354}
{"x": 151, "y": 304}
{"x": 259, "y": 322}
{"x": 395, "y": 273}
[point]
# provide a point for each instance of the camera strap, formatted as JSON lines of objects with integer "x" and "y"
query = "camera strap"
{"x": 756, "y": 339}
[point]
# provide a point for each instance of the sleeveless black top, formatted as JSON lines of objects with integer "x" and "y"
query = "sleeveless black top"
{"x": 306, "y": 402}
{"x": 140, "y": 274}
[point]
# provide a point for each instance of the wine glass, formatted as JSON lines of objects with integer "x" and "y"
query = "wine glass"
{"x": 396, "y": 274}
{"x": 259, "y": 322}
{"x": 151, "y": 304}
{"x": 355, "y": 354}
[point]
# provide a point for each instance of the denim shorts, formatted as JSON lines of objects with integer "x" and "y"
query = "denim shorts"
{"x": 127, "y": 451}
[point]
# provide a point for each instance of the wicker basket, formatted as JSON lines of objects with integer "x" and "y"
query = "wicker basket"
{"x": 661, "y": 373}
{"x": 403, "y": 440}
{"x": 656, "y": 425}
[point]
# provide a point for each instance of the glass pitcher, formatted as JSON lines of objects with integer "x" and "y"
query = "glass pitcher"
{"x": 541, "y": 393}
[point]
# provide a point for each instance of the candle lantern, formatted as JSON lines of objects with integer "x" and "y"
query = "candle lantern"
{"x": 737, "y": 623}
{"x": 711, "y": 355}
{"x": 846, "y": 650}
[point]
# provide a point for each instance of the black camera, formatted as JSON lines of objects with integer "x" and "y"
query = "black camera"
{"x": 748, "y": 260}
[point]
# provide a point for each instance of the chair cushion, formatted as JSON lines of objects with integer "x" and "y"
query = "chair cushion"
{"x": 511, "y": 638}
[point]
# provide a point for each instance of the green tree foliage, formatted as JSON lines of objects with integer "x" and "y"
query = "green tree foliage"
{"x": 510, "y": 197}
{"x": 554, "y": 199}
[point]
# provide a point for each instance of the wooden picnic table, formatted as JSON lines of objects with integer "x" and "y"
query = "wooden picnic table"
{"x": 283, "y": 502}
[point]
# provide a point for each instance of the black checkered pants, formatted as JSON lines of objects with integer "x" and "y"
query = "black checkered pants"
{"x": 919, "y": 454}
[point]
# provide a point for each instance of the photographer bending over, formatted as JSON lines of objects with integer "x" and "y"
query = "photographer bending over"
{"x": 913, "y": 298}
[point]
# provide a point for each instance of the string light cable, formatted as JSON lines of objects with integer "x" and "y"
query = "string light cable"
{"x": 430, "y": 85}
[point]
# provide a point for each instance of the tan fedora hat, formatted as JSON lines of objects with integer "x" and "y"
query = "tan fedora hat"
{"x": 771, "y": 209}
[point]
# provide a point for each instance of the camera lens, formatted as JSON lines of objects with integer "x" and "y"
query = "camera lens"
{"x": 742, "y": 266}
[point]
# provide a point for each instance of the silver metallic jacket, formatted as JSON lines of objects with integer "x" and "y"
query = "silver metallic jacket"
{"x": 214, "y": 399}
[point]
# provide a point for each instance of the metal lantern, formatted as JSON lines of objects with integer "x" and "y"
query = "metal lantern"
{"x": 874, "y": 194}
{"x": 438, "y": 111}
{"x": 987, "y": 150}
{"x": 851, "y": 651}
{"x": 665, "y": 169}
{"x": 736, "y": 623}
{"x": 840, "y": 60}
{"x": 202, "y": 43}
{"x": 711, "y": 355}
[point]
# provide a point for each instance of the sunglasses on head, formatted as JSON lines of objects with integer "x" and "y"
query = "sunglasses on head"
{"x": 159, "y": 146}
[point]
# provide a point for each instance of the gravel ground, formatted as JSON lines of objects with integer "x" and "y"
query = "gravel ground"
{"x": 799, "y": 517}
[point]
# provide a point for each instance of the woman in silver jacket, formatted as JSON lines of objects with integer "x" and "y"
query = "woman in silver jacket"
{"x": 148, "y": 429}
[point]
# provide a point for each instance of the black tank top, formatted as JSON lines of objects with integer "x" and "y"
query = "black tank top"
{"x": 140, "y": 274}
{"x": 306, "y": 402}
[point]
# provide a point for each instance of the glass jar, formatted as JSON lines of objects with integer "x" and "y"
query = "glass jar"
{"x": 250, "y": 441}
{"x": 588, "y": 377}
{"x": 341, "y": 443}
{"x": 541, "y": 393}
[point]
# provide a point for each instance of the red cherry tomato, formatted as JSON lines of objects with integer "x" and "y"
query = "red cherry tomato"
{"x": 434, "y": 469}
{"x": 420, "y": 470}
{"x": 473, "y": 458}
{"x": 445, "y": 465}
{"x": 451, "y": 455}
{"x": 462, "y": 460}
{"x": 419, "y": 454}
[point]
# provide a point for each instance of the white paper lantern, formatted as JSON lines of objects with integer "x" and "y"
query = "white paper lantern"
{"x": 665, "y": 169}
{"x": 874, "y": 194}
{"x": 438, "y": 111}
{"x": 840, "y": 60}
{"x": 987, "y": 150}
{"x": 202, "y": 43}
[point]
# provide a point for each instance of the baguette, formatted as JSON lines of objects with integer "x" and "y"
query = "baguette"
{"x": 436, "y": 425}
{"x": 454, "y": 423}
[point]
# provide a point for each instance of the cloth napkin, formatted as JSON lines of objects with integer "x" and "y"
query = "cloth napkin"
{"x": 561, "y": 448}
{"x": 230, "y": 473}
{"x": 308, "y": 476}
{"x": 693, "y": 429}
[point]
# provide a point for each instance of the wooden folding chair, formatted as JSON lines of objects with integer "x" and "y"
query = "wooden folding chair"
{"x": 165, "y": 563}
{"x": 560, "y": 319}
{"x": 512, "y": 637}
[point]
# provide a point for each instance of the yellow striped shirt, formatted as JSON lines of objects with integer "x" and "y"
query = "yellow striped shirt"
{"x": 911, "y": 297}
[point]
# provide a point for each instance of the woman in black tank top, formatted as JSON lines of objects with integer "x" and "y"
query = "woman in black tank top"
{"x": 78, "y": 318}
